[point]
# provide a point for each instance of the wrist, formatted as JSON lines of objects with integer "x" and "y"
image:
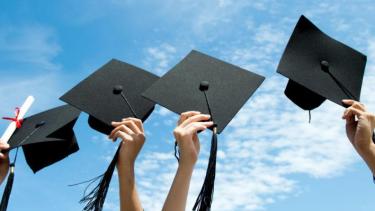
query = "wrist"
{"x": 366, "y": 150}
{"x": 126, "y": 164}
{"x": 186, "y": 165}
{"x": 368, "y": 155}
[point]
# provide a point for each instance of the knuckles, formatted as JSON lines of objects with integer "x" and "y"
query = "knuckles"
{"x": 179, "y": 134}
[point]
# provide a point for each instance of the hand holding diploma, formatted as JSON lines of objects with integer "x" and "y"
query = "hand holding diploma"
{"x": 16, "y": 123}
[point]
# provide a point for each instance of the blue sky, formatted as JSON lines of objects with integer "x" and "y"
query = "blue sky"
{"x": 269, "y": 157}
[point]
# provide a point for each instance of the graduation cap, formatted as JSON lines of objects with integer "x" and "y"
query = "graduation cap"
{"x": 111, "y": 93}
{"x": 45, "y": 138}
{"x": 203, "y": 83}
{"x": 320, "y": 67}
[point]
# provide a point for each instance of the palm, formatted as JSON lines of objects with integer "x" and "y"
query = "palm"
{"x": 351, "y": 129}
{"x": 132, "y": 146}
{"x": 190, "y": 148}
{"x": 362, "y": 132}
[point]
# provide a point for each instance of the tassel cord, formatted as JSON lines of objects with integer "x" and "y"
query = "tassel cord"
{"x": 205, "y": 197}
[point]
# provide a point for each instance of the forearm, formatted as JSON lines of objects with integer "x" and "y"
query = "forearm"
{"x": 129, "y": 200}
{"x": 2, "y": 177}
{"x": 177, "y": 196}
{"x": 368, "y": 155}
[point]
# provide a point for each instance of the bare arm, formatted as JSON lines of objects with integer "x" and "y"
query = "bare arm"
{"x": 187, "y": 139}
{"x": 131, "y": 131}
{"x": 359, "y": 128}
{"x": 4, "y": 161}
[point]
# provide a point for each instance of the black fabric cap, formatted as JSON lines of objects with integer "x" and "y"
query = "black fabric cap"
{"x": 320, "y": 67}
{"x": 229, "y": 87}
{"x": 99, "y": 95}
{"x": 47, "y": 137}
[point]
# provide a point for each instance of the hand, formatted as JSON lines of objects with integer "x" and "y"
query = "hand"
{"x": 359, "y": 131}
{"x": 4, "y": 161}
{"x": 131, "y": 131}
{"x": 186, "y": 135}
{"x": 359, "y": 128}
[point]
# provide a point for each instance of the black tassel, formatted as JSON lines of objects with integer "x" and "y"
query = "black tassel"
{"x": 204, "y": 199}
{"x": 7, "y": 190}
{"x": 95, "y": 199}
{"x": 176, "y": 152}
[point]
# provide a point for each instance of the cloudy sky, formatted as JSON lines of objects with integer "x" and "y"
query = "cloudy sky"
{"x": 269, "y": 157}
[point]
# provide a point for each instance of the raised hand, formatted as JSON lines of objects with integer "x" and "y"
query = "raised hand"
{"x": 131, "y": 132}
{"x": 359, "y": 129}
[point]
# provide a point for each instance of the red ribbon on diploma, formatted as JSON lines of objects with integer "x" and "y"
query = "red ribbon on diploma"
{"x": 15, "y": 119}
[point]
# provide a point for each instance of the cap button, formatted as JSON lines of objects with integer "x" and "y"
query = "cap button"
{"x": 117, "y": 89}
{"x": 204, "y": 86}
{"x": 324, "y": 65}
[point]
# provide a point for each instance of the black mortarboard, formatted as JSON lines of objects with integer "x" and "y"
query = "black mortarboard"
{"x": 229, "y": 87}
{"x": 320, "y": 68}
{"x": 203, "y": 83}
{"x": 46, "y": 138}
{"x": 111, "y": 93}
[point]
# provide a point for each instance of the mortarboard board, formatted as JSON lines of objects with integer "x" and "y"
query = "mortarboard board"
{"x": 203, "y": 83}
{"x": 102, "y": 94}
{"x": 111, "y": 93}
{"x": 320, "y": 67}
{"x": 46, "y": 138}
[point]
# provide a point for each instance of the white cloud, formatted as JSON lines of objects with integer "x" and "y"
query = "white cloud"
{"x": 33, "y": 45}
{"x": 158, "y": 58}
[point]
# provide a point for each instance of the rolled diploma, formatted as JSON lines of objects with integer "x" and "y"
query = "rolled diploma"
{"x": 12, "y": 126}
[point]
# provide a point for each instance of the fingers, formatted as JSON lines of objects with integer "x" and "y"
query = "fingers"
{"x": 198, "y": 126}
{"x": 124, "y": 136}
{"x": 137, "y": 122}
{"x": 3, "y": 156}
{"x": 130, "y": 124}
{"x": 350, "y": 120}
{"x": 351, "y": 112}
{"x": 3, "y": 146}
{"x": 196, "y": 118}
{"x": 348, "y": 101}
{"x": 354, "y": 104}
{"x": 359, "y": 106}
{"x": 121, "y": 128}
{"x": 186, "y": 115}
